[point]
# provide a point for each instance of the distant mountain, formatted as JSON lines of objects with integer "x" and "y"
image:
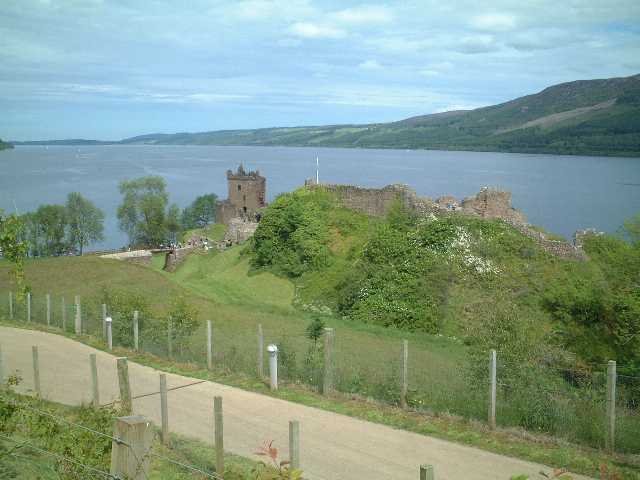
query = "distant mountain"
{"x": 5, "y": 145}
{"x": 588, "y": 117}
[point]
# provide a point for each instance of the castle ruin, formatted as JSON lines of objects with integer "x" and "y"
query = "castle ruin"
{"x": 246, "y": 196}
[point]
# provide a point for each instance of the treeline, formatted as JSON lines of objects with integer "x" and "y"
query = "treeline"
{"x": 145, "y": 215}
{"x": 5, "y": 145}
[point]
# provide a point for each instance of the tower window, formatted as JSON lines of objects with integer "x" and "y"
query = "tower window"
{"x": 239, "y": 187}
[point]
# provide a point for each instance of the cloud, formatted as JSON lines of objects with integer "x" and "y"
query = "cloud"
{"x": 370, "y": 65}
{"x": 313, "y": 30}
{"x": 477, "y": 44}
{"x": 494, "y": 22}
{"x": 364, "y": 15}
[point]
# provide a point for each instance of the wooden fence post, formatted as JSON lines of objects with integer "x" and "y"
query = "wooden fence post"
{"x": 78, "y": 319}
{"x": 130, "y": 453}
{"x": 219, "y": 435}
{"x": 405, "y": 374}
{"x": 611, "y": 406}
{"x": 48, "y": 301}
{"x": 209, "y": 345}
{"x": 492, "y": 389}
{"x": 327, "y": 378}
{"x": 95, "y": 391}
{"x": 164, "y": 409}
{"x": 36, "y": 371}
{"x": 11, "y": 305}
{"x": 125, "y": 387}
{"x": 104, "y": 320}
{"x": 28, "y": 306}
{"x": 294, "y": 444}
{"x": 170, "y": 338}
{"x": 136, "y": 331}
{"x": 64, "y": 315}
{"x": 260, "y": 358}
{"x": 426, "y": 472}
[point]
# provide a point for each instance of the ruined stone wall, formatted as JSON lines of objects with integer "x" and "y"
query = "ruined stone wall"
{"x": 555, "y": 247}
{"x": 377, "y": 201}
{"x": 239, "y": 231}
{"x": 225, "y": 212}
{"x": 140, "y": 257}
{"x": 175, "y": 257}
{"x": 490, "y": 203}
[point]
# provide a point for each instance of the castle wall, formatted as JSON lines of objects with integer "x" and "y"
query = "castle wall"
{"x": 176, "y": 257}
{"x": 140, "y": 257}
{"x": 490, "y": 203}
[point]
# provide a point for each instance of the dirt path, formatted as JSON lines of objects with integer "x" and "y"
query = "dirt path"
{"x": 333, "y": 446}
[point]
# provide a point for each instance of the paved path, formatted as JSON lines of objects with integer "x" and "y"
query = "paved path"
{"x": 333, "y": 446}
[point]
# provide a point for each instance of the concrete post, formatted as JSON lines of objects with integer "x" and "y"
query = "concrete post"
{"x": 273, "y": 366}
{"x": 209, "y": 345}
{"x": 11, "y": 305}
{"x": 260, "y": 358}
{"x": 130, "y": 455}
{"x": 136, "y": 331}
{"x": 611, "y": 406}
{"x": 78, "y": 319}
{"x": 104, "y": 321}
{"x": 28, "y": 306}
{"x": 125, "y": 387}
{"x": 492, "y": 389}
{"x": 164, "y": 409}
{"x": 95, "y": 390}
{"x": 109, "y": 323}
{"x": 404, "y": 387}
{"x": 327, "y": 378}
{"x": 218, "y": 434}
{"x": 64, "y": 315}
{"x": 426, "y": 472}
{"x": 48, "y": 301}
{"x": 294, "y": 444}
{"x": 36, "y": 371}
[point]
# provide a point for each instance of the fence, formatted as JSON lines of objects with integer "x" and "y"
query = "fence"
{"x": 599, "y": 407}
{"x": 134, "y": 440}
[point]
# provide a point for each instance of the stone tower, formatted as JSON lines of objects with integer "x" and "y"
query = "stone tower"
{"x": 247, "y": 193}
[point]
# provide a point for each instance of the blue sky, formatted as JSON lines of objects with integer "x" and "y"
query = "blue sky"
{"x": 112, "y": 69}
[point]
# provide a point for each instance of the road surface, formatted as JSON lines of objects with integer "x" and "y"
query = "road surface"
{"x": 333, "y": 446}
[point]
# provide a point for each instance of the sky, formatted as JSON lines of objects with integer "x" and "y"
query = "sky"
{"x": 111, "y": 69}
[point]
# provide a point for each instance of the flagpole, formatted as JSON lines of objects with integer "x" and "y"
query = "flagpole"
{"x": 317, "y": 171}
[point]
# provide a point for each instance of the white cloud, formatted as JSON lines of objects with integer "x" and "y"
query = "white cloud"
{"x": 364, "y": 15}
{"x": 313, "y": 30}
{"x": 494, "y": 22}
{"x": 477, "y": 44}
{"x": 370, "y": 65}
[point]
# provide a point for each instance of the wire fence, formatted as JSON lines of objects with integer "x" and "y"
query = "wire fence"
{"x": 567, "y": 403}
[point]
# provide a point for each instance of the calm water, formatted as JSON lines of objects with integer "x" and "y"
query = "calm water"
{"x": 561, "y": 193}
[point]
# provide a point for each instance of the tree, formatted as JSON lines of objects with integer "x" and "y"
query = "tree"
{"x": 200, "y": 213}
{"x": 14, "y": 248}
{"x": 142, "y": 214}
{"x": 85, "y": 221}
{"x": 173, "y": 222}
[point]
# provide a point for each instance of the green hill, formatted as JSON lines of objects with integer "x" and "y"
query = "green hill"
{"x": 5, "y": 145}
{"x": 586, "y": 117}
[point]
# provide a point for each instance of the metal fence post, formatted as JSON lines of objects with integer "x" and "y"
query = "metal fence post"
{"x": 28, "y": 306}
{"x": 170, "y": 338}
{"x": 125, "y": 387}
{"x": 36, "y": 371}
{"x": 136, "y": 331}
{"x": 209, "y": 344}
{"x": 95, "y": 391}
{"x": 48, "y": 301}
{"x": 294, "y": 444}
{"x": 260, "y": 357}
{"x": 164, "y": 409}
{"x": 611, "y": 406}
{"x": 327, "y": 378}
{"x": 109, "y": 323}
{"x": 405, "y": 374}
{"x": 10, "y": 305}
{"x": 218, "y": 434}
{"x": 273, "y": 366}
{"x": 492, "y": 389}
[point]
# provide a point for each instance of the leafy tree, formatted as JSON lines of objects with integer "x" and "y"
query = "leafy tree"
{"x": 200, "y": 213}
{"x": 14, "y": 248}
{"x": 173, "y": 222}
{"x": 315, "y": 329}
{"x": 142, "y": 214}
{"x": 86, "y": 221}
{"x": 49, "y": 225}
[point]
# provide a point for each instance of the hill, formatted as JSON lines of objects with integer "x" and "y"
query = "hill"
{"x": 586, "y": 117}
{"x": 5, "y": 145}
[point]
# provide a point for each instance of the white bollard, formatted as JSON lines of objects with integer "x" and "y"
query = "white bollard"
{"x": 108, "y": 321}
{"x": 273, "y": 366}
